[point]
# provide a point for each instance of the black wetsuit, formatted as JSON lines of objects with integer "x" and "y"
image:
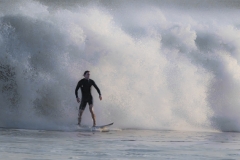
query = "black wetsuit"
{"x": 85, "y": 85}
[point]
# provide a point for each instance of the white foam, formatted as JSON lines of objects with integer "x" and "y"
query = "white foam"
{"x": 156, "y": 69}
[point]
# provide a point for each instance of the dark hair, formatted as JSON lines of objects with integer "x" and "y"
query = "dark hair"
{"x": 85, "y": 73}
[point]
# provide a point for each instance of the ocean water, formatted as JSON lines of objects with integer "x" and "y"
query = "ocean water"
{"x": 168, "y": 71}
{"x": 124, "y": 145}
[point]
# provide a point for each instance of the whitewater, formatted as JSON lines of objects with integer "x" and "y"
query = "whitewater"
{"x": 166, "y": 70}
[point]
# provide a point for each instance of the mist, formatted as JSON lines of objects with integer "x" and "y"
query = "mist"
{"x": 164, "y": 65}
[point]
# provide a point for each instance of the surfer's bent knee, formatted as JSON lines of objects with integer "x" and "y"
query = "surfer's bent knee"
{"x": 91, "y": 107}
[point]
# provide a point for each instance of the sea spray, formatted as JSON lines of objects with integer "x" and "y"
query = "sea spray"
{"x": 158, "y": 65}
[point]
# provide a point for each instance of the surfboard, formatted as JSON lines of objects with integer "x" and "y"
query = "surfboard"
{"x": 103, "y": 126}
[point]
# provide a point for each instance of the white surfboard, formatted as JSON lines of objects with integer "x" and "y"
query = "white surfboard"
{"x": 103, "y": 126}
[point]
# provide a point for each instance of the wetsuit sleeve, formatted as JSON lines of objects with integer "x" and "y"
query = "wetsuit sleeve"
{"x": 96, "y": 87}
{"x": 76, "y": 90}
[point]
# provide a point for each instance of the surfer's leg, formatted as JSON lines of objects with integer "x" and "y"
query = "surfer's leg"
{"x": 80, "y": 117}
{"x": 81, "y": 109}
{"x": 92, "y": 113}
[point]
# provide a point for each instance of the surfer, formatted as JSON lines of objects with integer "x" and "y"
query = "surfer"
{"x": 85, "y": 84}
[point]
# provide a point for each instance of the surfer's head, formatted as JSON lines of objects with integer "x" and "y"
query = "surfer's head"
{"x": 86, "y": 74}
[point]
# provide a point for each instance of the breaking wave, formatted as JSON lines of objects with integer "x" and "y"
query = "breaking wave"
{"x": 159, "y": 64}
